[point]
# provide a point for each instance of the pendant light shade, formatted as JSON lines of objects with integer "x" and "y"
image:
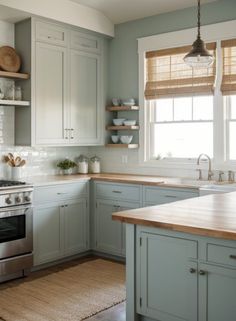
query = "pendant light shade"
{"x": 199, "y": 56}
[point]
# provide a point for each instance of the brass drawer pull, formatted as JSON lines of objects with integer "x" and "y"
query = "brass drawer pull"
{"x": 233, "y": 257}
{"x": 117, "y": 192}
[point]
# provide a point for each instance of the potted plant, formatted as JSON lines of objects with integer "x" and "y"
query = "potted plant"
{"x": 66, "y": 166}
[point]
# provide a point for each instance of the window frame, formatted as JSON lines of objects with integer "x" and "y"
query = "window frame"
{"x": 211, "y": 33}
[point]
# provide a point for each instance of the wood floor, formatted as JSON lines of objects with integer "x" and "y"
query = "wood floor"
{"x": 116, "y": 313}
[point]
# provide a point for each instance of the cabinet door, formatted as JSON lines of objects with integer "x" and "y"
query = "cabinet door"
{"x": 85, "y": 98}
{"x": 125, "y": 207}
{"x": 76, "y": 228}
{"x": 48, "y": 234}
{"x": 50, "y": 94}
{"x": 217, "y": 293}
{"x": 108, "y": 232}
{"x": 168, "y": 290}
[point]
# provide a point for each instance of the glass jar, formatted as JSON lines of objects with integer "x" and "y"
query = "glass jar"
{"x": 18, "y": 93}
{"x": 95, "y": 165}
{"x": 83, "y": 164}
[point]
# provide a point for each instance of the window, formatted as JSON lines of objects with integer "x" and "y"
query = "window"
{"x": 228, "y": 88}
{"x": 179, "y": 101}
{"x": 230, "y": 102}
{"x": 181, "y": 127}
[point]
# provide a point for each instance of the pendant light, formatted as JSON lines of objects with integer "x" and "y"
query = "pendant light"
{"x": 199, "y": 56}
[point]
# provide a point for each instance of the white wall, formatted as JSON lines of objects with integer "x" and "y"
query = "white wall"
{"x": 65, "y": 11}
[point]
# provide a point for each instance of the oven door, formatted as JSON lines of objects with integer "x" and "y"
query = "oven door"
{"x": 16, "y": 226}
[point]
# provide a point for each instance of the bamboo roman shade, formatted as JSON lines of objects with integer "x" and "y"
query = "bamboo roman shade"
{"x": 167, "y": 75}
{"x": 228, "y": 85}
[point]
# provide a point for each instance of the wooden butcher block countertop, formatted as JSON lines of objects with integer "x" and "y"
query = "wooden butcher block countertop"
{"x": 119, "y": 178}
{"x": 212, "y": 216}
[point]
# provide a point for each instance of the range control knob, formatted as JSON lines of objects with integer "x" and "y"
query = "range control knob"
{"x": 18, "y": 199}
{"x": 8, "y": 201}
{"x": 27, "y": 199}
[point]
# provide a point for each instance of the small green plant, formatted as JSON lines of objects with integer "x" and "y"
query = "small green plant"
{"x": 66, "y": 164}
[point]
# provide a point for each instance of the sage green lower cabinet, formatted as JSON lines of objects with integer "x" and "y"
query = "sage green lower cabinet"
{"x": 109, "y": 234}
{"x": 76, "y": 228}
{"x": 61, "y": 222}
{"x": 48, "y": 233}
{"x": 171, "y": 276}
{"x": 217, "y": 293}
{"x": 168, "y": 290}
{"x": 153, "y": 195}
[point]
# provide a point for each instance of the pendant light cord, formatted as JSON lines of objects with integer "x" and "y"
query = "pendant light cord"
{"x": 199, "y": 19}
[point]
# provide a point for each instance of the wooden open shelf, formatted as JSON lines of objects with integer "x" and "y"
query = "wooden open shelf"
{"x": 14, "y": 102}
{"x": 122, "y": 127}
{"x": 13, "y": 75}
{"x": 122, "y": 108}
{"x": 130, "y": 146}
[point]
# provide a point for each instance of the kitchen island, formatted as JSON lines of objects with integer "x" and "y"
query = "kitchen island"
{"x": 181, "y": 260}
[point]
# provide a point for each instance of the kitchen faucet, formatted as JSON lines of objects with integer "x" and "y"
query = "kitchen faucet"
{"x": 210, "y": 173}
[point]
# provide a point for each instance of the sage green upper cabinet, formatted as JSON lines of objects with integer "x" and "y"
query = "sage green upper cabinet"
{"x": 51, "y": 33}
{"x": 85, "y": 42}
{"x": 66, "y": 86}
{"x": 50, "y": 94}
{"x": 85, "y": 97}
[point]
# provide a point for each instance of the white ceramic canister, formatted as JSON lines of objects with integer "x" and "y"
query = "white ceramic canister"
{"x": 95, "y": 165}
{"x": 83, "y": 165}
{"x": 16, "y": 173}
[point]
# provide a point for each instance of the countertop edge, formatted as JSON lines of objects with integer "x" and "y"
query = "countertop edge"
{"x": 188, "y": 229}
{"x": 39, "y": 181}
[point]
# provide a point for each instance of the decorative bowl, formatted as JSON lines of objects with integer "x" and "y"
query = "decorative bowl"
{"x": 129, "y": 122}
{"x": 128, "y": 102}
{"x": 126, "y": 139}
{"x": 118, "y": 121}
{"x": 115, "y": 139}
{"x": 115, "y": 101}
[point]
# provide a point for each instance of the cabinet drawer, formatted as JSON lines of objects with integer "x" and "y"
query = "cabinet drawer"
{"x": 60, "y": 192}
{"x": 85, "y": 42}
{"x": 50, "y": 33}
{"x": 118, "y": 192}
{"x": 221, "y": 254}
{"x": 165, "y": 195}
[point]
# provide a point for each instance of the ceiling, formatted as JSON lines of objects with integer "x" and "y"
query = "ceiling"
{"x": 119, "y": 11}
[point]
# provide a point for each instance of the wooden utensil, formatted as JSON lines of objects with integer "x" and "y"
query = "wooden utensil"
{"x": 18, "y": 161}
{"x": 22, "y": 163}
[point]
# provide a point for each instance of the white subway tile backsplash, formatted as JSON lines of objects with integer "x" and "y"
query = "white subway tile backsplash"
{"x": 39, "y": 161}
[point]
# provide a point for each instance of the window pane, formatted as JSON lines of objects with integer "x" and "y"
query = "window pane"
{"x": 203, "y": 108}
{"x": 233, "y": 107}
{"x": 183, "y": 108}
{"x": 183, "y": 140}
{"x": 232, "y": 145}
{"x": 164, "y": 110}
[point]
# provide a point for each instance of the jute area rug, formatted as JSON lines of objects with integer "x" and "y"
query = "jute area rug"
{"x": 73, "y": 294}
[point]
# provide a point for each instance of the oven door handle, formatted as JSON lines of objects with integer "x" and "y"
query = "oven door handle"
{"x": 15, "y": 211}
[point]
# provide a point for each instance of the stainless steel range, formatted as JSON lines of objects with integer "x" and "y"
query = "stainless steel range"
{"x": 16, "y": 227}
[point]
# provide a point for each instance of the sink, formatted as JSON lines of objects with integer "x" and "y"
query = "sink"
{"x": 228, "y": 187}
{"x": 217, "y": 188}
